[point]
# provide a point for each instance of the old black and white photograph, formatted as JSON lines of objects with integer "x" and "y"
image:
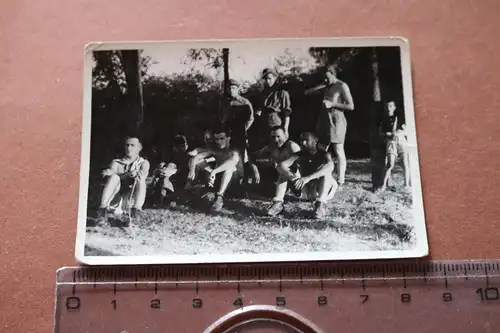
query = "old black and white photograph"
{"x": 253, "y": 150}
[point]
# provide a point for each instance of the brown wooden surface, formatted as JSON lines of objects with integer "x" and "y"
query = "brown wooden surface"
{"x": 454, "y": 46}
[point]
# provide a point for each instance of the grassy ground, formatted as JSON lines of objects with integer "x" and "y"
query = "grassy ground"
{"x": 358, "y": 220}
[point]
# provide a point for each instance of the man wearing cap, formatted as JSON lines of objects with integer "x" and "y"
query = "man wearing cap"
{"x": 238, "y": 116}
{"x": 275, "y": 102}
{"x": 331, "y": 126}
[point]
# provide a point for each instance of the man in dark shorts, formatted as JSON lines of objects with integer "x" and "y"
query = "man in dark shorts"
{"x": 171, "y": 176}
{"x": 278, "y": 150}
{"x": 237, "y": 116}
{"x": 316, "y": 167}
{"x": 228, "y": 170}
{"x": 331, "y": 124}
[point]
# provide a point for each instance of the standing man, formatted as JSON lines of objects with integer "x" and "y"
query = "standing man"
{"x": 393, "y": 130}
{"x": 275, "y": 105}
{"x": 331, "y": 126}
{"x": 237, "y": 116}
{"x": 126, "y": 180}
{"x": 228, "y": 168}
{"x": 316, "y": 167}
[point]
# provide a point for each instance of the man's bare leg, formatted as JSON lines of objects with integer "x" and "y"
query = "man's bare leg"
{"x": 279, "y": 195}
{"x": 338, "y": 148}
{"x": 388, "y": 169}
{"x": 226, "y": 178}
{"x": 138, "y": 199}
{"x": 406, "y": 168}
{"x": 139, "y": 195}
{"x": 327, "y": 185}
{"x": 225, "y": 181}
{"x": 111, "y": 188}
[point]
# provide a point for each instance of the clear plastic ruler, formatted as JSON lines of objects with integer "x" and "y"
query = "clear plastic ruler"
{"x": 389, "y": 297}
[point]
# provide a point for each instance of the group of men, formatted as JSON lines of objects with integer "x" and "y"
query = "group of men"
{"x": 228, "y": 156}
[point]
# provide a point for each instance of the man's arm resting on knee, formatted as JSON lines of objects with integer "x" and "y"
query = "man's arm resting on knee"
{"x": 195, "y": 160}
{"x": 284, "y": 167}
{"x": 111, "y": 170}
{"x": 229, "y": 164}
{"x": 323, "y": 170}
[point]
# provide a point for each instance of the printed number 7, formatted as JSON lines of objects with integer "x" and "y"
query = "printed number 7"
{"x": 364, "y": 298}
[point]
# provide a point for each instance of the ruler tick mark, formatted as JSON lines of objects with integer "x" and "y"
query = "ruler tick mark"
{"x": 445, "y": 279}
{"x": 239, "y": 278}
{"x": 487, "y": 276}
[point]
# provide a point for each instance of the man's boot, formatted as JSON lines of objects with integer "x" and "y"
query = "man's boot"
{"x": 102, "y": 217}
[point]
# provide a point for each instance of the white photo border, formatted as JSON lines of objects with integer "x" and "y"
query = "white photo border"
{"x": 421, "y": 248}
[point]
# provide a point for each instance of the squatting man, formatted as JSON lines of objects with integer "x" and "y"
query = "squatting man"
{"x": 125, "y": 186}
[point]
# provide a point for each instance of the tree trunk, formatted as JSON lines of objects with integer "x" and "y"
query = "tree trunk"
{"x": 377, "y": 143}
{"x": 135, "y": 105}
{"x": 225, "y": 60}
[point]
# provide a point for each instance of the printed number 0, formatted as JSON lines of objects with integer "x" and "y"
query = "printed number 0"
{"x": 72, "y": 303}
{"x": 489, "y": 294}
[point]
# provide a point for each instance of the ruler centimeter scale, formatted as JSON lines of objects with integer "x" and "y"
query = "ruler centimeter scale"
{"x": 392, "y": 296}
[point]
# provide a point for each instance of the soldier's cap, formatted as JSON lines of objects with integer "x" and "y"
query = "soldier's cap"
{"x": 180, "y": 140}
{"x": 268, "y": 71}
{"x": 233, "y": 82}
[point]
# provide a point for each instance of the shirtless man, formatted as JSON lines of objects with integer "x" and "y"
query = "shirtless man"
{"x": 126, "y": 180}
{"x": 228, "y": 166}
{"x": 203, "y": 166}
{"x": 331, "y": 125}
{"x": 280, "y": 149}
{"x": 316, "y": 167}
